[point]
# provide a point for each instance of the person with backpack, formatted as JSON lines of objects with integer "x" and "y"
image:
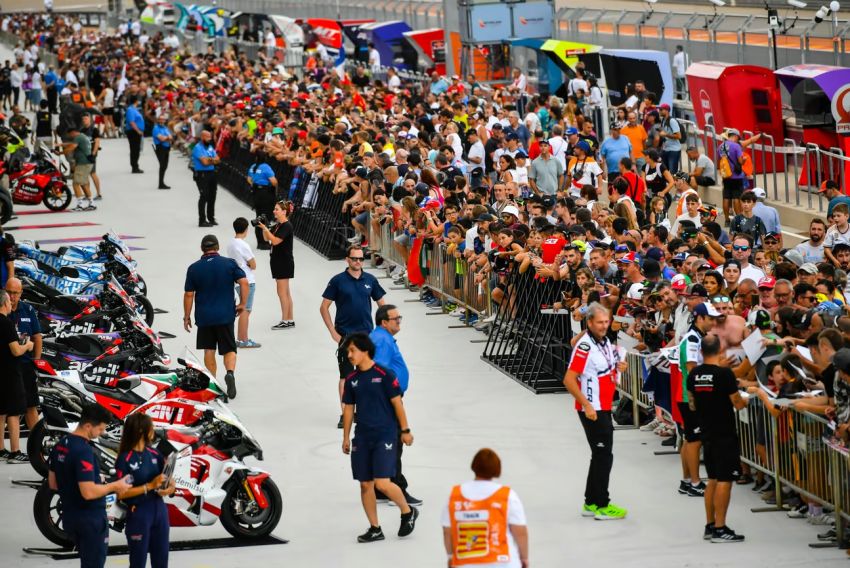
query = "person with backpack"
{"x": 670, "y": 132}
{"x": 729, "y": 167}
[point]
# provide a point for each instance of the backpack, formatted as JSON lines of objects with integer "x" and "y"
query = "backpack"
{"x": 747, "y": 164}
{"x": 725, "y": 166}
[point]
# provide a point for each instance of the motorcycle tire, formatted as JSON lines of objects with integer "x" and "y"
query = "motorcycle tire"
{"x": 36, "y": 450}
{"x": 142, "y": 286}
{"x": 251, "y": 527}
{"x": 5, "y": 212}
{"x": 145, "y": 308}
{"x": 47, "y": 512}
{"x": 61, "y": 201}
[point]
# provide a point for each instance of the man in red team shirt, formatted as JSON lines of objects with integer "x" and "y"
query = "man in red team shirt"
{"x": 591, "y": 378}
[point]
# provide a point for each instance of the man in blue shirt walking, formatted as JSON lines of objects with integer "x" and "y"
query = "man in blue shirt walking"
{"x": 162, "y": 139}
{"x": 204, "y": 161}
{"x": 388, "y": 356}
{"x": 209, "y": 286}
{"x": 134, "y": 129}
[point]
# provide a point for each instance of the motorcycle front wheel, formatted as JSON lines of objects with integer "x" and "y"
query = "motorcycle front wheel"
{"x": 145, "y": 308}
{"x": 244, "y": 519}
{"x": 47, "y": 512}
{"x": 39, "y": 443}
{"x": 58, "y": 197}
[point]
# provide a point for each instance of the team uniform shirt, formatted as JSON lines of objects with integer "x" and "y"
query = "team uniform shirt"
{"x": 690, "y": 351}
{"x": 353, "y": 299}
{"x": 261, "y": 175}
{"x": 479, "y": 490}
{"x": 835, "y": 236}
{"x": 595, "y": 363}
{"x": 712, "y": 386}
{"x": 371, "y": 391}
{"x": 144, "y": 466}
{"x": 26, "y": 322}
{"x": 201, "y": 150}
{"x": 161, "y": 130}
{"x": 73, "y": 461}
{"x": 212, "y": 278}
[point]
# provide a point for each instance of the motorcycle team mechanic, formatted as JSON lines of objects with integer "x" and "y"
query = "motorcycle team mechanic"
{"x": 26, "y": 322}
{"x": 75, "y": 474}
{"x": 12, "y": 396}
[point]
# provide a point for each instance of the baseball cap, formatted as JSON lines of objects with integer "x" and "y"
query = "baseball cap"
{"x": 616, "y": 125}
{"x": 651, "y": 268}
{"x": 520, "y": 154}
{"x": 772, "y": 235}
{"x": 361, "y": 172}
{"x": 485, "y": 217}
{"x": 511, "y": 210}
{"x": 655, "y": 254}
{"x": 761, "y": 194}
{"x": 731, "y": 132}
{"x": 684, "y": 176}
{"x": 621, "y": 248}
{"x": 680, "y": 282}
{"x": 808, "y": 267}
{"x": 697, "y": 290}
{"x": 760, "y": 319}
{"x": 583, "y": 145}
{"x": 512, "y": 136}
{"x": 543, "y": 141}
{"x": 841, "y": 360}
{"x": 209, "y": 242}
{"x": 828, "y": 184}
{"x": 795, "y": 256}
{"x": 629, "y": 258}
{"x": 706, "y": 309}
{"x": 663, "y": 106}
{"x": 580, "y": 246}
{"x": 681, "y": 257}
{"x": 572, "y": 130}
{"x": 767, "y": 282}
{"x": 277, "y": 130}
{"x": 575, "y": 230}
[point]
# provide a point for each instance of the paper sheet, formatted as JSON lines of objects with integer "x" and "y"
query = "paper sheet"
{"x": 626, "y": 342}
{"x": 805, "y": 353}
{"x": 753, "y": 346}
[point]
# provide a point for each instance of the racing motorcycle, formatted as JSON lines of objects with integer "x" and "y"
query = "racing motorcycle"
{"x": 213, "y": 481}
{"x": 85, "y": 262}
{"x": 39, "y": 180}
{"x": 168, "y": 398}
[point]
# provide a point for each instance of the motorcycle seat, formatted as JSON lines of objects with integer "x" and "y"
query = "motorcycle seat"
{"x": 111, "y": 392}
{"x": 82, "y": 345}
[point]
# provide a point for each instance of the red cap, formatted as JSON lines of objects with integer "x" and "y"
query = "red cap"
{"x": 294, "y": 104}
{"x": 767, "y": 282}
{"x": 664, "y": 106}
{"x": 302, "y": 134}
{"x": 629, "y": 258}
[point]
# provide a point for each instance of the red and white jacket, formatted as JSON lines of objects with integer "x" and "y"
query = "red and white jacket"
{"x": 596, "y": 366}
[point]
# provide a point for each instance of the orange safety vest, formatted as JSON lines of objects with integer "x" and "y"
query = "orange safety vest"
{"x": 479, "y": 528}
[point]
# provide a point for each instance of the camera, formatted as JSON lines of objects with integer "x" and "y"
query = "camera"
{"x": 260, "y": 220}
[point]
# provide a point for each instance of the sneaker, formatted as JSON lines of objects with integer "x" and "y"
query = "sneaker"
{"x": 696, "y": 490}
{"x": 90, "y": 207}
{"x": 413, "y": 501}
{"x": 163, "y": 186}
{"x": 471, "y": 319}
{"x": 4, "y": 453}
{"x": 281, "y": 325}
{"x": 249, "y": 344}
{"x": 374, "y": 534}
{"x": 669, "y": 442}
{"x": 408, "y": 522}
{"x": 98, "y": 197}
{"x": 800, "y": 512}
{"x": 79, "y": 207}
{"x": 818, "y": 520}
{"x": 339, "y": 424}
{"x": 17, "y": 458}
{"x": 828, "y": 535}
{"x": 610, "y": 513}
{"x": 204, "y": 224}
{"x": 761, "y": 486}
{"x": 355, "y": 240}
{"x": 651, "y": 426}
{"x": 709, "y": 531}
{"x": 588, "y": 510}
{"x": 213, "y": 222}
{"x": 683, "y": 487}
{"x": 725, "y": 534}
{"x": 230, "y": 381}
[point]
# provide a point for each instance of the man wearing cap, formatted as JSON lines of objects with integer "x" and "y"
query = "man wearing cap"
{"x": 767, "y": 300}
{"x": 768, "y": 215}
{"x": 831, "y": 190}
{"x": 633, "y": 280}
{"x": 583, "y": 170}
{"x": 546, "y": 176}
{"x": 670, "y": 133}
{"x": 209, "y": 288}
{"x": 733, "y": 184}
{"x": 162, "y": 139}
{"x": 613, "y": 149}
{"x": 692, "y": 296}
{"x": 690, "y": 355}
{"x": 812, "y": 249}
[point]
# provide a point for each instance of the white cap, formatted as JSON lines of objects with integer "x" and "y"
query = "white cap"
{"x": 761, "y": 194}
{"x": 511, "y": 210}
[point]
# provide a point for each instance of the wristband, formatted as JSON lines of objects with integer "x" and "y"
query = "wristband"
{"x": 406, "y": 431}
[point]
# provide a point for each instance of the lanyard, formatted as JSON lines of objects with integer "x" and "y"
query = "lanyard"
{"x": 612, "y": 356}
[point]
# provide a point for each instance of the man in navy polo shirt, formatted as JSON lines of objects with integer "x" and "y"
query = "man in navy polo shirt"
{"x": 209, "y": 285}
{"x": 26, "y": 321}
{"x": 352, "y": 291}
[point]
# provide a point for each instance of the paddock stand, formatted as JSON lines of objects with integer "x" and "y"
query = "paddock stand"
{"x": 179, "y": 546}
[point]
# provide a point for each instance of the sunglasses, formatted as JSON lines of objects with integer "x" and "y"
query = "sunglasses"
{"x": 356, "y": 258}
{"x": 740, "y": 247}
{"x": 720, "y": 300}
{"x": 395, "y": 318}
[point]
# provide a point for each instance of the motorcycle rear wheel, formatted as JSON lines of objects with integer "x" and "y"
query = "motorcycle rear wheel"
{"x": 36, "y": 450}
{"x": 47, "y": 512}
{"x": 58, "y": 198}
{"x": 250, "y": 526}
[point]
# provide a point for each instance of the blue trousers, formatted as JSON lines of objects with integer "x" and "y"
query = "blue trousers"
{"x": 147, "y": 532}
{"x": 90, "y": 533}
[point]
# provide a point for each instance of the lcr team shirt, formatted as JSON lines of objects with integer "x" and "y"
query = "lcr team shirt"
{"x": 690, "y": 351}
{"x": 595, "y": 363}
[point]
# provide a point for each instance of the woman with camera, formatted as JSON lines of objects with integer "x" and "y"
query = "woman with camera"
{"x": 280, "y": 237}
{"x": 147, "y": 516}
{"x": 263, "y": 183}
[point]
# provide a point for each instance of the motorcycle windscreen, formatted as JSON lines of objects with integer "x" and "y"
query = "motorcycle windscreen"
{"x": 620, "y": 71}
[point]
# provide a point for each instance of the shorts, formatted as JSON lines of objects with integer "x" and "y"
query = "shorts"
{"x": 689, "y": 430}
{"x": 405, "y": 239}
{"x": 373, "y": 458}
{"x": 362, "y": 218}
{"x": 282, "y": 268}
{"x": 221, "y": 336}
{"x": 703, "y": 181}
{"x": 249, "y": 304}
{"x": 108, "y": 111}
{"x": 345, "y": 366}
{"x": 30, "y": 384}
{"x": 82, "y": 172}
{"x": 12, "y": 396}
{"x": 722, "y": 461}
{"x": 732, "y": 188}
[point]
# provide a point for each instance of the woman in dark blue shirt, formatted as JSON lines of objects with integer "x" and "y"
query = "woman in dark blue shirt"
{"x": 147, "y": 516}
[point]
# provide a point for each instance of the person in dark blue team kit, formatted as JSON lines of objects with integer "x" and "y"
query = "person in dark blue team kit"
{"x": 204, "y": 161}
{"x": 264, "y": 185}
{"x": 75, "y": 474}
{"x": 26, "y": 322}
{"x": 353, "y": 291}
{"x": 374, "y": 393}
{"x": 147, "y": 515}
{"x": 162, "y": 139}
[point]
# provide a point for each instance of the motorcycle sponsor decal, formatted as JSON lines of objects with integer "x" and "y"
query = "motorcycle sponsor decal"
{"x": 199, "y": 469}
{"x": 164, "y": 413}
{"x": 179, "y": 481}
{"x": 211, "y": 509}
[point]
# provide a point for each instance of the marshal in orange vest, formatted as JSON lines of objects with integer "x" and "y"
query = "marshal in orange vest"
{"x": 479, "y": 528}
